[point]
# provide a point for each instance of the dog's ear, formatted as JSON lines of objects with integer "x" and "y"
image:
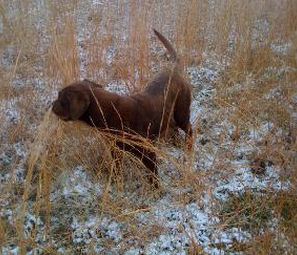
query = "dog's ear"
{"x": 79, "y": 102}
{"x": 92, "y": 84}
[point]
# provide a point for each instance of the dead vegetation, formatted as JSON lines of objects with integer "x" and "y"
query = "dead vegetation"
{"x": 45, "y": 45}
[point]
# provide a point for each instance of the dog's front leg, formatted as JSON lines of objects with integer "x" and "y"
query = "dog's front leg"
{"x": 147, "y": 157}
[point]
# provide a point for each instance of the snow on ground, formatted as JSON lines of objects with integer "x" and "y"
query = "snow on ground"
{"x": 74, "y": 191}
{"x": 182, "y": 223}
{"x": 196, "y": 221}
{"x": 11, "y": 112}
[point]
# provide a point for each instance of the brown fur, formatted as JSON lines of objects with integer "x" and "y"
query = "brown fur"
{"x": 164, "y": 104}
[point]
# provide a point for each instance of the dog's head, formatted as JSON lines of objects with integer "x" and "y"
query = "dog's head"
{"x": 73, "y": 101}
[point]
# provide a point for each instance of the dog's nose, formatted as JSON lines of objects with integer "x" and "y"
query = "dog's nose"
{"x": 54, "y": 106}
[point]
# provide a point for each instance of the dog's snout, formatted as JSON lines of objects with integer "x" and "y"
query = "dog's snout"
{"x": 55, "y": 107}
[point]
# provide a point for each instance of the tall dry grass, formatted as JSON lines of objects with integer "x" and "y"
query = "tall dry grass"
{"x": 234, "y": 30}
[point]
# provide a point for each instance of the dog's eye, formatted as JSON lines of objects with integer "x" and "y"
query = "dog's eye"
{"x": 64, "y": 102}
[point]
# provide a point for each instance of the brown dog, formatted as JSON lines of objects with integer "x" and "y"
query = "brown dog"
{"x": 164, "y": 104}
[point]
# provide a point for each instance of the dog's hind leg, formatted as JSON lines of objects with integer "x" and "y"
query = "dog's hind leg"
{"x": 182, "y": 118}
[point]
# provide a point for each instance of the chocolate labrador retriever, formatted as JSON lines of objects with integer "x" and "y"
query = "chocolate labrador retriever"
{"x": 164, "y": 104}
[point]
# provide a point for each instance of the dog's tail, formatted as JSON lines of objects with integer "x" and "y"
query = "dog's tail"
{"x": 169, "y": 47}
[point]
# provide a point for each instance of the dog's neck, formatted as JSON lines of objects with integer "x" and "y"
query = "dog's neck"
{"x": 102, "y": 113}
{"x": 94, "y": 115}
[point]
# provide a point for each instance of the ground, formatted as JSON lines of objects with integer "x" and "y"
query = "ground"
{"x": 233, "y": 193}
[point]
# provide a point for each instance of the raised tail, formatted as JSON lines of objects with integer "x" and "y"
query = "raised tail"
{"x": 168, "y": 46}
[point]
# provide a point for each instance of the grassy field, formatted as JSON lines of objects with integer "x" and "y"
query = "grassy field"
{"x": 63, "y": 193}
